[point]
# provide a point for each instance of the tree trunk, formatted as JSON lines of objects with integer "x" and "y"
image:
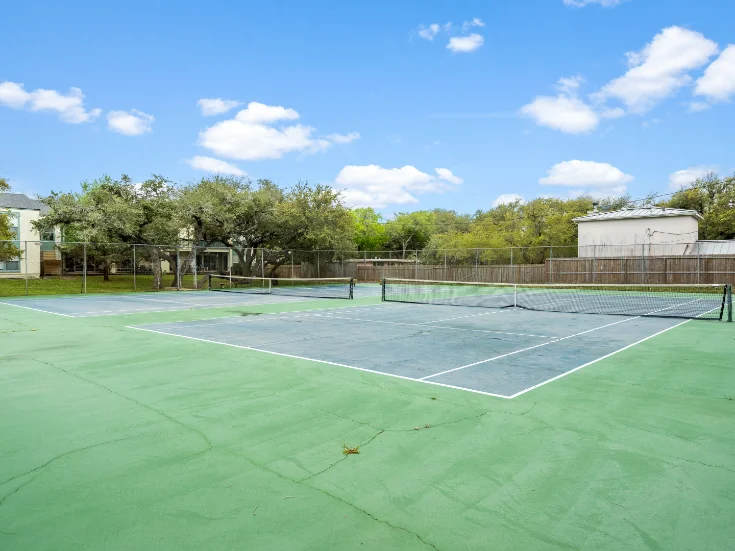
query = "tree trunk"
{"x": 106, "y": 271}
{"x": 155, "y": 266}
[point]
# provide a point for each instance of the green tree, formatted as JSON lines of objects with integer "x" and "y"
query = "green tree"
{"x": 410, "y": 230}
{"x": 8, "y": 249}
{"x": 108, "y": 211}
{"x": 370, "y": 232}
{"x": 310, "y": 217}
{"x": 714, "y": 198}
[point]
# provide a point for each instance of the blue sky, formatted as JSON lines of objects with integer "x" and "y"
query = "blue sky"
{"x": 403, "y": 106}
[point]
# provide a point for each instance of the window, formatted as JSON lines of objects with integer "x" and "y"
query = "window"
{"x": 13, "y": 265}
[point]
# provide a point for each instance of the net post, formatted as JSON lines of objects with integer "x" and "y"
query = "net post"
{"x": 728, "y": 290}
{"x": 382, "y": 290}
{"x": 270, "y": 283}
{"x": 352, "y": 288}
{"x": 25, "y": 261}
{"x": 84, "y": 270}
{"x": 135, "y": 268}
{"x": 209, "y": 281}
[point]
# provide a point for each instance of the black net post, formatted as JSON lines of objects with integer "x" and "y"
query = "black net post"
{"x": 728, "y": 291}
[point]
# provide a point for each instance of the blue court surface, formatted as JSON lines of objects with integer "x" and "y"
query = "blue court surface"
{"x": 148, "y": 302}
{"x": 500, "y": 352}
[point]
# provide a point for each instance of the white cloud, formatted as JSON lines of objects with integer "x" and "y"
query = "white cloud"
{"x": 343, "y": 138}
{"x": 476, "y": 22}
{"x": 614, "y": 113}
{"x": 507, "y": 198}
{"x": 659, "y": 69}
{"x": 375, "y": 186}
{"x": 588, "y": 175}
{"x": 583, "y": 3}
{"x": 446, "y": 175}
{"x": 465, "y": 44}
{"x": 70, "y": 107}
{"x": 210, "y": 164}
{"x": 718, "y": 81}
{"x": 697, "y": 106}
{"x": 130, "y": 123}
{"x": 253, "y": 135}
{"x": 569, "y": 85}
{"x": 13, "y": 95}
{"x": 428, "y": 33}
{"x": 259, "y": 113}
{"x": 216, "y": 106}
{"x": 564, "y": 113}
{"x": 682, "y": 178}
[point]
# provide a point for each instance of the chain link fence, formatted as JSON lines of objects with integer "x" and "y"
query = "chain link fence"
{"x": 54, "y": 268}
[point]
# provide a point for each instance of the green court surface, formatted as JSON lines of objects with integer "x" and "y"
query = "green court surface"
{"x": 114, "y": 438}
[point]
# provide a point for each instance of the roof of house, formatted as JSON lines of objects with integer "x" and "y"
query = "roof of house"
{"x": 641, "y": 212}
{"x": 20, "y": 201}
{"x": 712, "y": 247}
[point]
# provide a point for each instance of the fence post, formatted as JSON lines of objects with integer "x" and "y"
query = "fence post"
{"x": 194, "y": 268}
{"x": 135, "y": 266}
{"x": 697, "y": 261}
{"x": 25, "y": 260}
{"x": 643, "y": 261}
{"x": 416, "y": 269}
{"x": 477, "y": 264}
{"x": 551, "y": 266}
{"x": 445, "y": 278}
{"x": 512, "y": 268}
{"x": 262, "y": 262}
{"x": 84, "y": 270}
{"x": 291, "y": 253}
{"x": 178, "y": 270}
{"x": 594, "y": 262}
{"x": 318, "y": 270}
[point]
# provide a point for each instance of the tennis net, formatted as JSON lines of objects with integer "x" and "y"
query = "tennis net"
{"x": 675, "y": 301}
{"x": 338, "y": 287}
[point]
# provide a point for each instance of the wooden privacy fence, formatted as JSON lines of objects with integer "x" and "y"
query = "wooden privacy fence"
{"x": 627, "y": 270}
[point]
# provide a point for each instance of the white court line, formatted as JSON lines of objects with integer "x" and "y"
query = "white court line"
{"x": 433, "y": 326}
{"x": 319, "y": 361}
{"x": 241, "y": 319}
{"x": 556, "y": 340}
{"x": 36, "y": 309}
{"x": 598, "y": 359}
{"x": 526, "y": 349}
{"x": 131, "y": 311}
{"x": 498, "y": 311}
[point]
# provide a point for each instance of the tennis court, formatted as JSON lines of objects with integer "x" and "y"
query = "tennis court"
{"x": 292, "y": 422}
{"x": 498, "y": 352}
{"x": 134, "y": 303}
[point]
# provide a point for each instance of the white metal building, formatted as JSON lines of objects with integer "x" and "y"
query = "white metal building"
{"x": 654, "y": 231}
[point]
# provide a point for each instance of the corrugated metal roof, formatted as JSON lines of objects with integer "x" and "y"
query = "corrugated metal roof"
{"x": 20, "y": 201}
{"x": 645, "y": 212}
{"x": 710, "y": 248}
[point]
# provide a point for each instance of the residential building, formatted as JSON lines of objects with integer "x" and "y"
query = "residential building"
{"x": 35, "y": 248}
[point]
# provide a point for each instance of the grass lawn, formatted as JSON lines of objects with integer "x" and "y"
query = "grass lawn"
{"x": 70, "y": 285}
